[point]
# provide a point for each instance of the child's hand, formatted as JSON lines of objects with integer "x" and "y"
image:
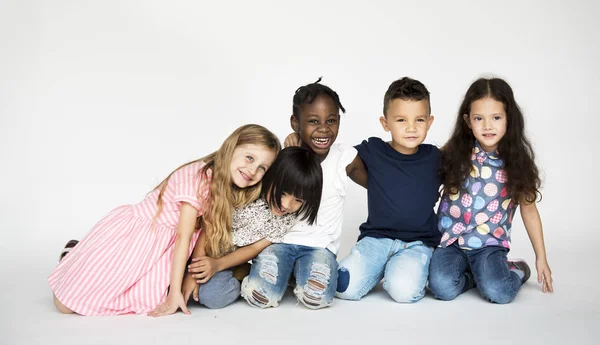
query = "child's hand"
{"x": 292, "y": 140}
{"x": 173, "y": 302}
{"x": 203, "y": 268}
{"x": 544, "y": 275}
{"x": 189, "y": 287}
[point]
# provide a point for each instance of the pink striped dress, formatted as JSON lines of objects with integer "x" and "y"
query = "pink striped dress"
{"x": 123, "y": 265}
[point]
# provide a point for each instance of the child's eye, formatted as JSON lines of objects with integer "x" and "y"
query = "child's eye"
{"x": 400, "y": 120}
{"x": 300, "y": 201}
{"x": 477, "y": 118}
{"x": 331, "y": 121}
{"x": 263, "y": 168}
{"x": 312, "y": 121}
{"x": 497, "y": 117}
{"x": 420, "y": 120}
{"x": 250, "y": 158}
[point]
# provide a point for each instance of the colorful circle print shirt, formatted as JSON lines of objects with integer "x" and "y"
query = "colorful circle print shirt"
{"x": 481, "y": 214}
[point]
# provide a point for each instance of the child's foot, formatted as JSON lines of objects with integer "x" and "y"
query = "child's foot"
{"x": 521, "y": 268}
{"x": 70, "y": 245}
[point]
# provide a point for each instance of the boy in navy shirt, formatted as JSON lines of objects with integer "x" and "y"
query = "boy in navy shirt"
{"x": 398, "y": 238}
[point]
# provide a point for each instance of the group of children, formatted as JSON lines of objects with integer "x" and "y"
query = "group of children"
{"x": 193, "y": 235}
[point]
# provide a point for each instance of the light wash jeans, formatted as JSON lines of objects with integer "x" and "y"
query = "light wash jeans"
{"x": 403, "y": 267}
{"x": 315, "y": 270}
{"x": 220, "y": 291}
{"x": 451, "y": 267}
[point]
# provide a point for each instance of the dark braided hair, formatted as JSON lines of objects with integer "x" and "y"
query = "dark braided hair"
{"x": 306, "y": 95}
{"x": 407, "y": 89}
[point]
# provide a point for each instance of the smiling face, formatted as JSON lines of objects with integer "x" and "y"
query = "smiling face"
{"x": 409, "y": 122}
{"x": 317, "y": 124}
{"x": 249, "y": 164}
{"x": 487, "y": 120}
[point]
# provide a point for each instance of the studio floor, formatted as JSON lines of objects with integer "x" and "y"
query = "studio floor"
{"x": 569, "y": 315}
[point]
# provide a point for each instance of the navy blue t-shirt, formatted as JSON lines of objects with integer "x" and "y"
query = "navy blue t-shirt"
{"x": 402, "y": 193}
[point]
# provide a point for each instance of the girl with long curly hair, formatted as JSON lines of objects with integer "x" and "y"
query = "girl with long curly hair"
{"x": 489, "y": 170}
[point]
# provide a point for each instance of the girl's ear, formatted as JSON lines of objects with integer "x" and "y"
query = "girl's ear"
{"x": 294, "y": 123}
{"x": 466, "y": 118}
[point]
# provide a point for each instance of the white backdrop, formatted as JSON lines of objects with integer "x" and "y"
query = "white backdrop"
{"x": 100, "y": 100}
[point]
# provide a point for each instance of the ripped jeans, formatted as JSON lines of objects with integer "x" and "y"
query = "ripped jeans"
{"x": 404, "y": 267}
{"x": 315, "y": 270}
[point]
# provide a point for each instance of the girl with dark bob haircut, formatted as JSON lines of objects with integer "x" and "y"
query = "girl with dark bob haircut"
{"x": 297, "y": 172}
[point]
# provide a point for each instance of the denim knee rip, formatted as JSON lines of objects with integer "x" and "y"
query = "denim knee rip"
{"x": 312, "y": 293}
{"x": 268, "y": 268}
{"x": 268, "y": 272}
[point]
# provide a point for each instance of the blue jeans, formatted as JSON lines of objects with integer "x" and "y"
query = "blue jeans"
{"x": 403, "y": 266}
{"x": 315, "y": 270}
{"x": 220, "y": 291}
{"x": 451, "y": 267}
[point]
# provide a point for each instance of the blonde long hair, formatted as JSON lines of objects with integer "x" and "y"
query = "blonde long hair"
{"x": 225, "y": 195}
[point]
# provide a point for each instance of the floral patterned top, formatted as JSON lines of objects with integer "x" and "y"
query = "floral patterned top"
{"x": 480, "y": 215}
{"x": 255, "y": 221}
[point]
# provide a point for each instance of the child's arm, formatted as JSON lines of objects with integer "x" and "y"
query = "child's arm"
{"x": 185, "y": 229}
{"x": 205, "y": 267}
{"x": 533, "y": 224}
{"x": 189, "y": 285}
{"x": 293, "y": 139}
{"x": 200, "y": 247}
{"x": 357, "y": 171}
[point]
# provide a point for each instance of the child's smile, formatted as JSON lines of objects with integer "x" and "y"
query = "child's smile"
{"x": 249, "y": 163}
{"x": 488, "y": 122}
{"x": 318, "y": 124}
{"x": 408, "y": 121}
{"x": 322, "y": 142}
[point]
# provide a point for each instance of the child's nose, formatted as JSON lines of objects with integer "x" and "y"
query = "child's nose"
{"x": 323, "y": 128}
{"x": 252, "y": 169}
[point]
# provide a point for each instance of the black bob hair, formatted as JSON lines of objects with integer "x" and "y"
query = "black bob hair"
{"x": 297, "y": 172}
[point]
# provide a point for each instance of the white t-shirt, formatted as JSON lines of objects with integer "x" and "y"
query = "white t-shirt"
{"x": 326, "y": 231}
